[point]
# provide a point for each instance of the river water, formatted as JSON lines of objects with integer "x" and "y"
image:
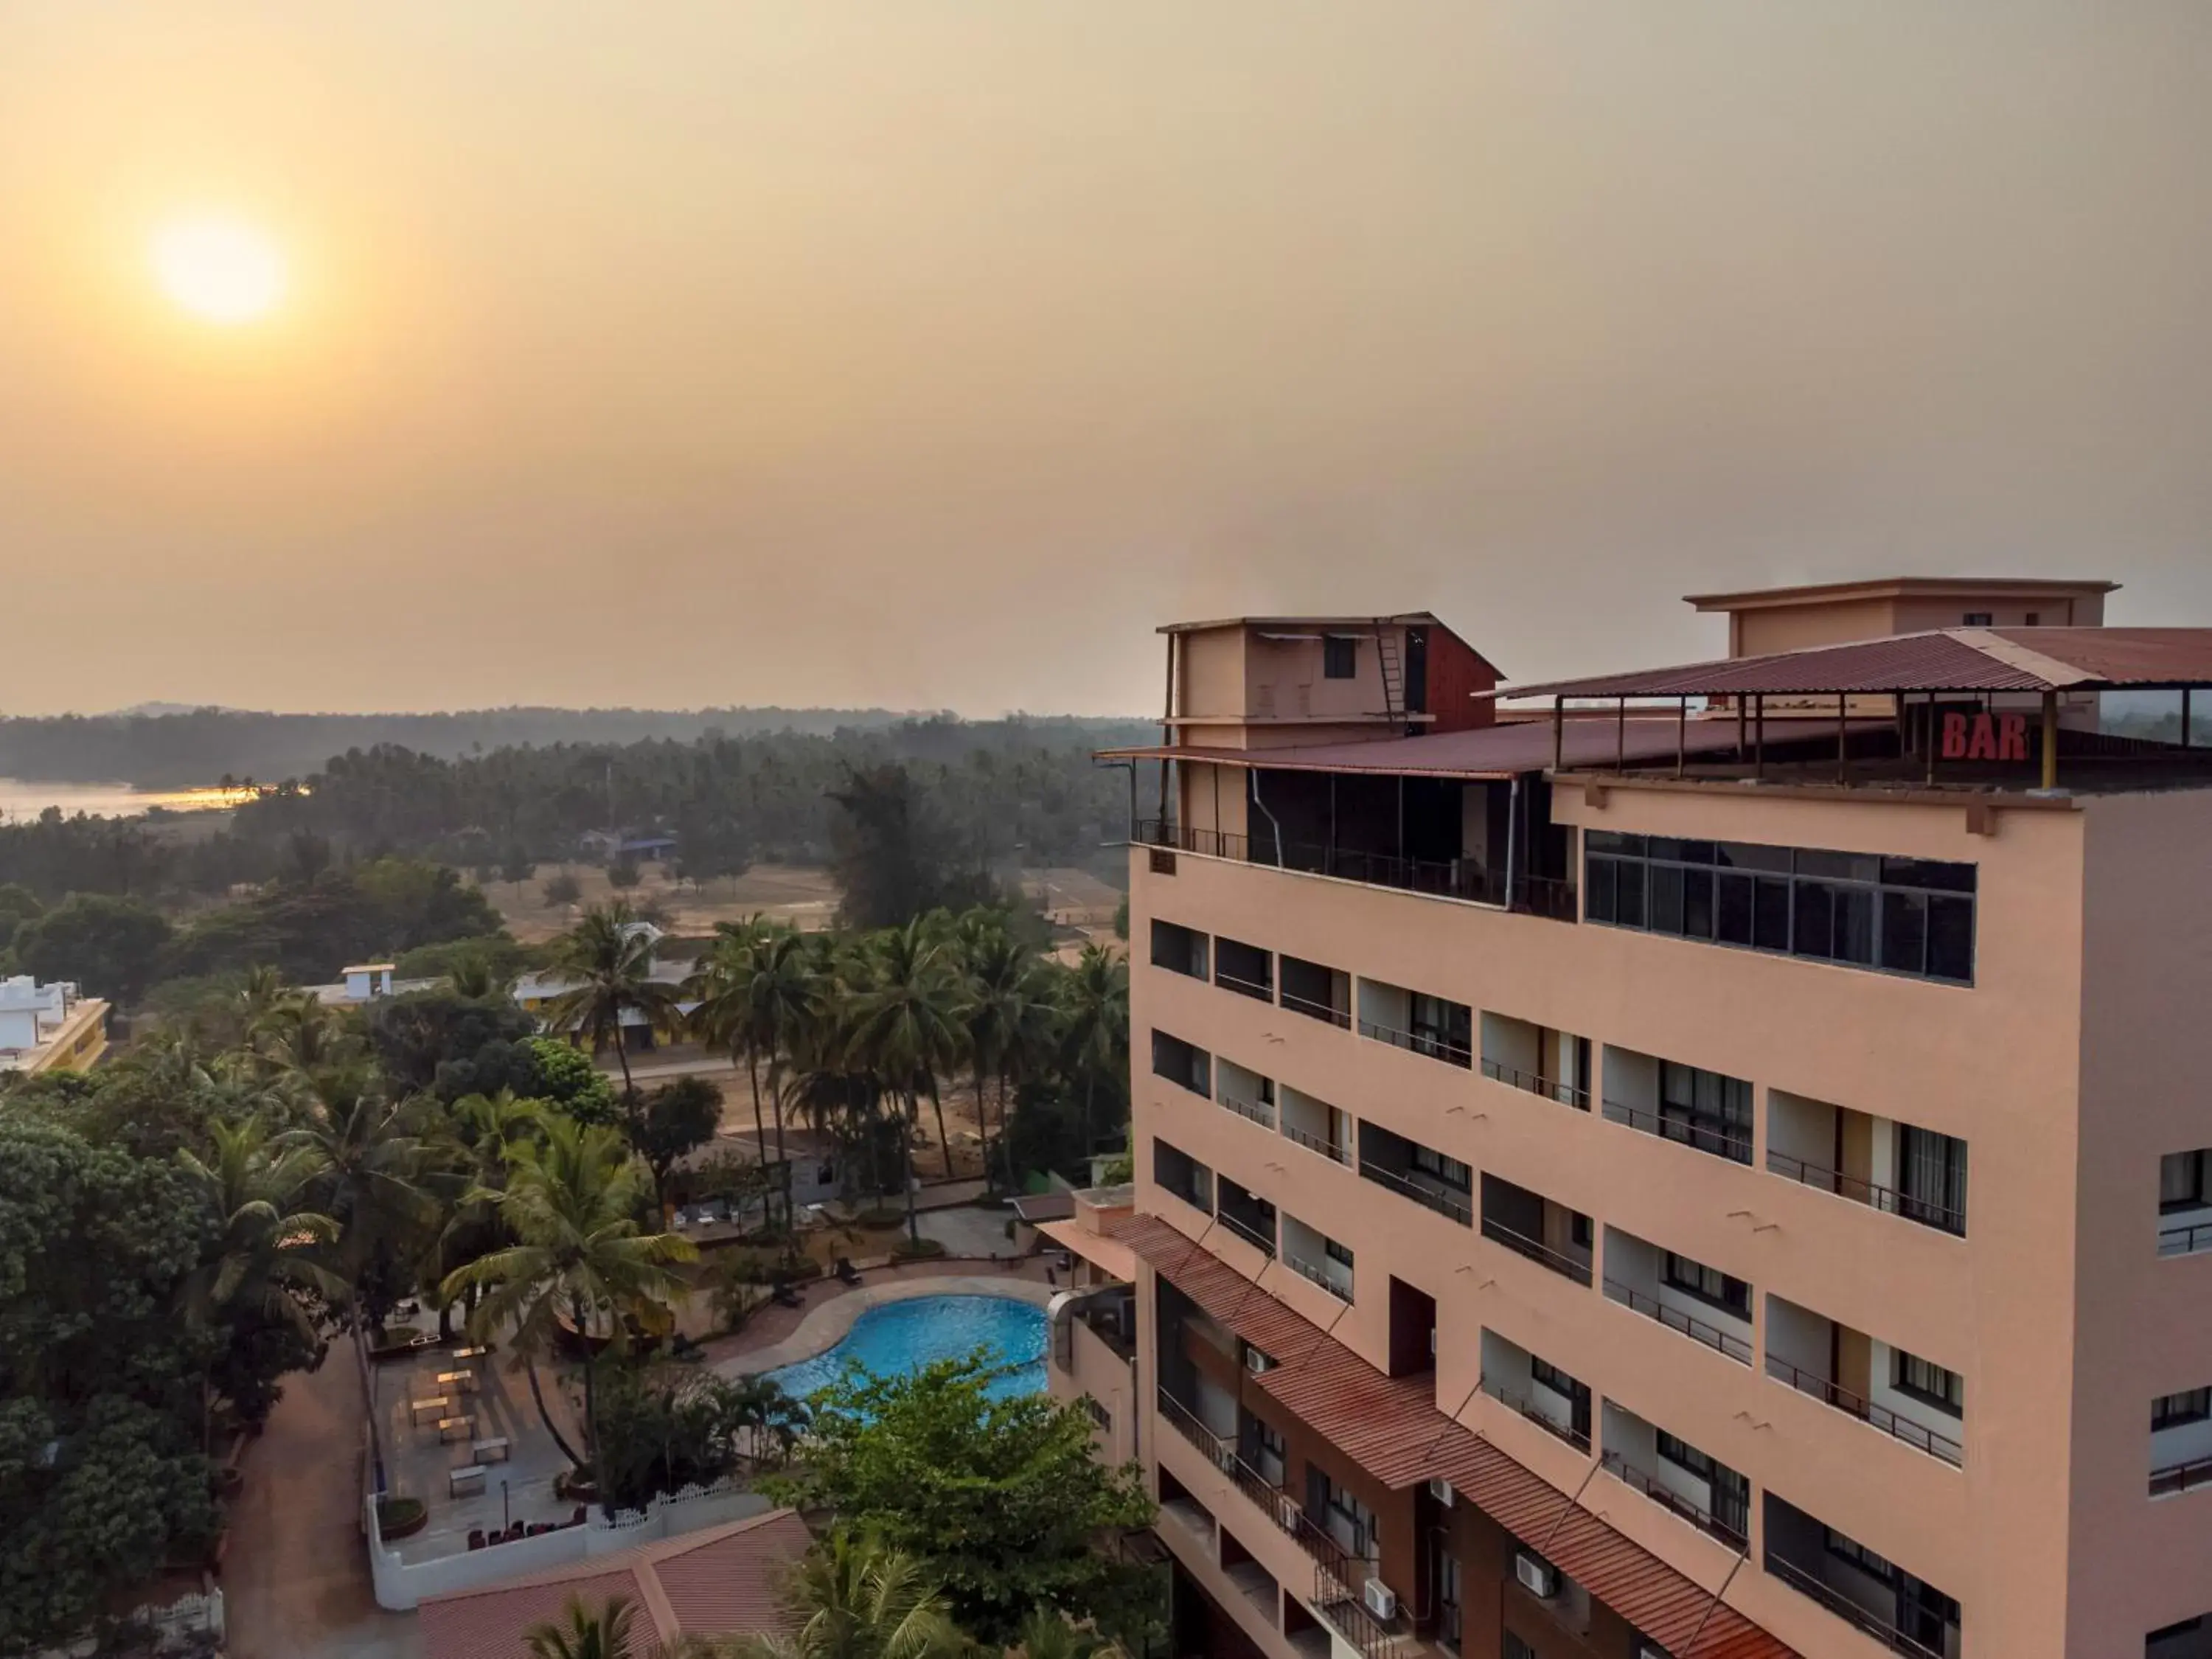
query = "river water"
{"x": 21, "y": 799}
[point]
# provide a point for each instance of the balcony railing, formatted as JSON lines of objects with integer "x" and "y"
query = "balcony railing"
{"x": 1258, "y": 1110}
{"x": 1703, "y": 1134}
{"x": 1313, "y": 1271}
{"x": 1674, "y": 1319}
{"x": 1247, "y": 1231}
{"x": 1541, "y": 1253}
{"x": 1340, "y": 1018}
{"x": 1880, "y": 1417}
{"x": 1876, "y": 1197}
{"x": 1331, "y": 1150}
{"x": 1844, "y": 1608}
{"x": 1565, "y": 1093}
{"x": 1359, "y": 1629}
{"x": 1521, "y": 1403}
{"x": 1704, "y": 1520}
{"x": 1245, "y": 987}
{"x": 2185, "y": 1240}
{"x": 1419, "y": 1042}
{"x": 1455, "y": 1209}
{"x": 2180, "y": 1477}
{"x": 1456, "y": 878}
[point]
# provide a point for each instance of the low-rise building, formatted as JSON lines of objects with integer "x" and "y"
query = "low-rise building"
{"x": 50, "y": 1027}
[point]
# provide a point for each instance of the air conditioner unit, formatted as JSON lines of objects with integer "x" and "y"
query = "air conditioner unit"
{"x": 1254, "y": 1361}
{"x": 1538, "y": 1576}
{"x": 1441, "y": 1491}
{"x": 1382, "y": 1601}
{"x": 1648, "y": 1649}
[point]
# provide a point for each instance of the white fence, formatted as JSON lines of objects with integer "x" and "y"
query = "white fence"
{"x": 403, "y": 1584}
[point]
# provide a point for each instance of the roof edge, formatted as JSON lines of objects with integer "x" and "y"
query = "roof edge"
{"x": 1765, "y": 598}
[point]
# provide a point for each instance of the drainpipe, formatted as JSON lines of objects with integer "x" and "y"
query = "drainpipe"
{"x": 1512, "y": 836}
{"x": 1270, "y": 817}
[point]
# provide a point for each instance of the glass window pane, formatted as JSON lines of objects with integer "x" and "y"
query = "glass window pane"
{"x": 1854, "y": 940}
{"x": 1611, "y": 840}
{"x": 1770, "y": 915}
{"x": 1814, "y": 934}
{"x": 1601, "y": 882}
{"x": 1732, "y": 914}
{"x": 1696, "y": 903}
{"x": 1682, "y": 852}
{"x": 1951, "y": 939}
{"x": 1928, "y": 872}
{"x": 1904, "y": 933}
{"x": 1838, "y": 866}
{"x": 1628, "y": 904}
{"x": 1747, "y": 855}
{"x": 1666, "y": 898}
{"x": 2180, "y": 1179}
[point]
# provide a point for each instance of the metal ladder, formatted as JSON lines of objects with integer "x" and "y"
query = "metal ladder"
{"x": 1394, "y": 672}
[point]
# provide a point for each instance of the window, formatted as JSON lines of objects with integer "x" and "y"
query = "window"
{"x": 1177, "y": 1061}
{"x": 1442, "y": 1030}
{"x": 1517, "y": 1649}
{"x": 1433, "y": 1163}
{"x": 1579, "y": 1233}
{"x": 1549, "y": 1376}
{"x": 1850, "y": 1550}
{"x": 2172, "y": 1411}
{"x": 1100, "y": 1417}
{"x": 1267, "y": 1450}
{"x": 2033, "y": 619}
{"x": 1901, "y": 916}
{"x": 1683, "y": 1456}
{"x": 1931, "y": 1178}
{"x": 1708, "y": 1285}
{"x": 1342, "y": 1516}
{"x": 1705, "y": 1109}
{"x": 1928, "y": 1383}
{"x": 1340, "y": 1253}
{"x": 1178, "y": 949}
{"x": 2181, "y": 1181}
{"x": 1183, "y": 1176}
{"x": 1976, "y": 619}
{"x": 1340, "y": 657}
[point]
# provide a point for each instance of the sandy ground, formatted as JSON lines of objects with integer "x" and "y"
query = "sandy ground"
{"x": 786, "y": 892}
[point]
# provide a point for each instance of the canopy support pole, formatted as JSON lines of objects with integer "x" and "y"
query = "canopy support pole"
{"x": 1682, "y": 736}
{"x": 2051, "y": 740}
{"x": 1758, "y": 737}
{"x": 1621, "y": 734}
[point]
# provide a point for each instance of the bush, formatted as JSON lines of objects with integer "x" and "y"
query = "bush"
{"x": 917, "y": 1249}
{"x": 396, "y": 1516}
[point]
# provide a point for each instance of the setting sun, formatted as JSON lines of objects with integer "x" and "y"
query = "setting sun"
{"x": 220, "y": 270}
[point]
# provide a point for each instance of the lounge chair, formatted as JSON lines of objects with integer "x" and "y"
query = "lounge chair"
{"x": 785, "y": 1294}
{"x": 847, "y": 1273}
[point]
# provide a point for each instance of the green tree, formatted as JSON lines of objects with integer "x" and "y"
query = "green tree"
{"x": 18, "y": 904}
{"x": 561, "y": 891}
{"x": 1000, "y": 1498}
{"x": 1046, "y": 1634}
{"x": 561, "y": 1074}
{"x": 623, "y": 873}
{"x": 906, "y": 1027}
{"x": 610, "y": 955}
{"x": 852, "y": 1598}
{"x": 584, "y": 1631}
{"x": 1013, "y": 1021}
{"x": 580, "y": 1259}
{"x": 671, "y": 1120}
{"x": 108, "y": 946}
{"x": 1095, "y": 1029}
{"x": 516, "y": 865}
{"x": 760, "y": 994}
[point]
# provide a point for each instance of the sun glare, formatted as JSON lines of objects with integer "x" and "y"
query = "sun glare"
{"x": 220, "y": 270}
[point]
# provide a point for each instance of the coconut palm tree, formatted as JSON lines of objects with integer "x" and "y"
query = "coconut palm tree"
{"x": 905, "y": 1028}
{"x": 609, "y": 953}
{"x": 262, "y": 1262}
{"x": 580, "y": 1259}
{"x": 1095, "y": 1029}
{"x": 585, "y": 1633}
{"x": 1046, "y": 1634}
{"x": 853, "y": 1599}
{"x": 761, "y": 991}
{"x": 1013, "y": 1021}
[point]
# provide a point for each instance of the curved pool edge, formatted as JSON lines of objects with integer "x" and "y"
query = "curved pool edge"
{"x": 824, "y": 1325}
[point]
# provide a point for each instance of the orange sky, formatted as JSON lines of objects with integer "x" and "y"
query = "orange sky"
{"x": 927, "y": 354}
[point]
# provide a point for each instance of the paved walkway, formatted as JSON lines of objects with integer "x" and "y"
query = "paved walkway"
{"x": 296, "y": 1578}
{"x": 824, "y": 1324}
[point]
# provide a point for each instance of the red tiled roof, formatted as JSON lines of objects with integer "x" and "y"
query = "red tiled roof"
{"x": 1947, "y": 660}
{"x": 720, "y": 1582}
{"x": 1392, "y": 1428}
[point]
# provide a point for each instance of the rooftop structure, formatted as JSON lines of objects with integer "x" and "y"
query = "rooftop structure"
{"x": 49, "y": 1027}
{"x": 1555, "y": 1230}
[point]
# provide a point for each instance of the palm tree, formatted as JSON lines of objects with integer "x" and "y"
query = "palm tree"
{"x": 1095, "y": 1037}
{"x": 1046, "y": 1634}
{"x": 761, "y": 990}
{"x": 583, "y": 1633}
{"x": 1013, "y": 1024}
{"x": 373, "y": 1170}
{"x": 578, "y": 1260}
{"x": 853, "y": 1599}
{"x": 262, "y": 1260}
{"x": 905, "y": 1029}
{"x": 609, "y": 953}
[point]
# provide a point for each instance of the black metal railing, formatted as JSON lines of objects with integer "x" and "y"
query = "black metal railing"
{"x": 1808, "y": 1583}
{"x": 1579, "y": 1439}
{"x": 1872, "y": 1195}
{"x": 2185, "y": 1241}
{"x": 1419, "y": 1042}
{"x": 1536, "y": 1250}
{"x": 1258, "y": 1110}
{"x": 1674, "y": 1319}
{"x": 1334, "y": 1150}
{"x": 1455, "y": 1209}
{"x": 1699, "y": 1133}
{"x": 1565, "y": 1093}
{"x": 1247, "y": 1231}
{"x": 1306, "y": 1269}
{"x": 1340, "y": 1018}
{"x": 1244, "y": 988}
{"x": 1702, "y": 1519}
{"x": 1341, "y": 1606}
{"x": 2180, "y": 1477}
{"x": 1458, "y": 878}
{"x": 1844, "y": 1400}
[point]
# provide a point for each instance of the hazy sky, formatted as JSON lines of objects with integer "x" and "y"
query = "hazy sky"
{"x": 928, "y": 354}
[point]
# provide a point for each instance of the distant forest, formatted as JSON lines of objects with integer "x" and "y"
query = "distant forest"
{"x": 174, "y": 749}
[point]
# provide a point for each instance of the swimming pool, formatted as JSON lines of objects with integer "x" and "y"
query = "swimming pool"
{"x": 901, "y": 1337}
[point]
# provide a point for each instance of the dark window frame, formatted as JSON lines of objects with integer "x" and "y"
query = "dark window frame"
{"x": 1932, "y": 1385}
{"x": 2196, "y": 1406}
{"x": 2199, "y": 1159}
{"x": 1687, "y": 1274}
{"x": 1340, "y": 657}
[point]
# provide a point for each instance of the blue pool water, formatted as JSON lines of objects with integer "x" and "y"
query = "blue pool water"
{"x": 901, "y": 1337}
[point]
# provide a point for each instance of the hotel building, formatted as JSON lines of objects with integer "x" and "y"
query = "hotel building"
{"x": 1715, "y": 1167}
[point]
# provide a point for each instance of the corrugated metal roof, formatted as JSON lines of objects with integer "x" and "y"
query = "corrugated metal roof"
{"x": 731, "y": 1584}
{"x": 1947, "y": 660}
{"x": 1391, "y": 1428}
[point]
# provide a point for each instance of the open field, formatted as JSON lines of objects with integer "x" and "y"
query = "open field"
{"x": 793, "y": 893}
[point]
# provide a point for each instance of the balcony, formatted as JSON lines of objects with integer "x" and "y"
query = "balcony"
{"x": 1182, "y": 1176}
{"x": 1537, "y": 1060}
{"x": 1245, "y": 968}
{"x": 1872, "y": 1594}
{"x": 1890, "y": 1391}
{"x": 1316, "y": 1126}
{"x": 1418, "y": 1023}
{"x": 1686, "y": 1297}
{"x": 1452, "y": 878}
{"x": 2184, "y": 1202}
{"x": 1531, "y": 1225}
{"x": 2181, "y": 1442}
{"x": 1246, "y": 1214}
{"x": 1245, "y": 1093}
{"x": 1313, "y": 1255}
{"x": 1541, "y": 1393}
{"x": 1182, "y": 1064}
{"x": 1685, "y": 1482}
{"x": 1317, "y": 991}
{"x": 1703, "y": 1110}
{"x": 1179, "y": 950}
{"x": 1895, "y": 1168}
{"x": 1416, "y": 1172}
